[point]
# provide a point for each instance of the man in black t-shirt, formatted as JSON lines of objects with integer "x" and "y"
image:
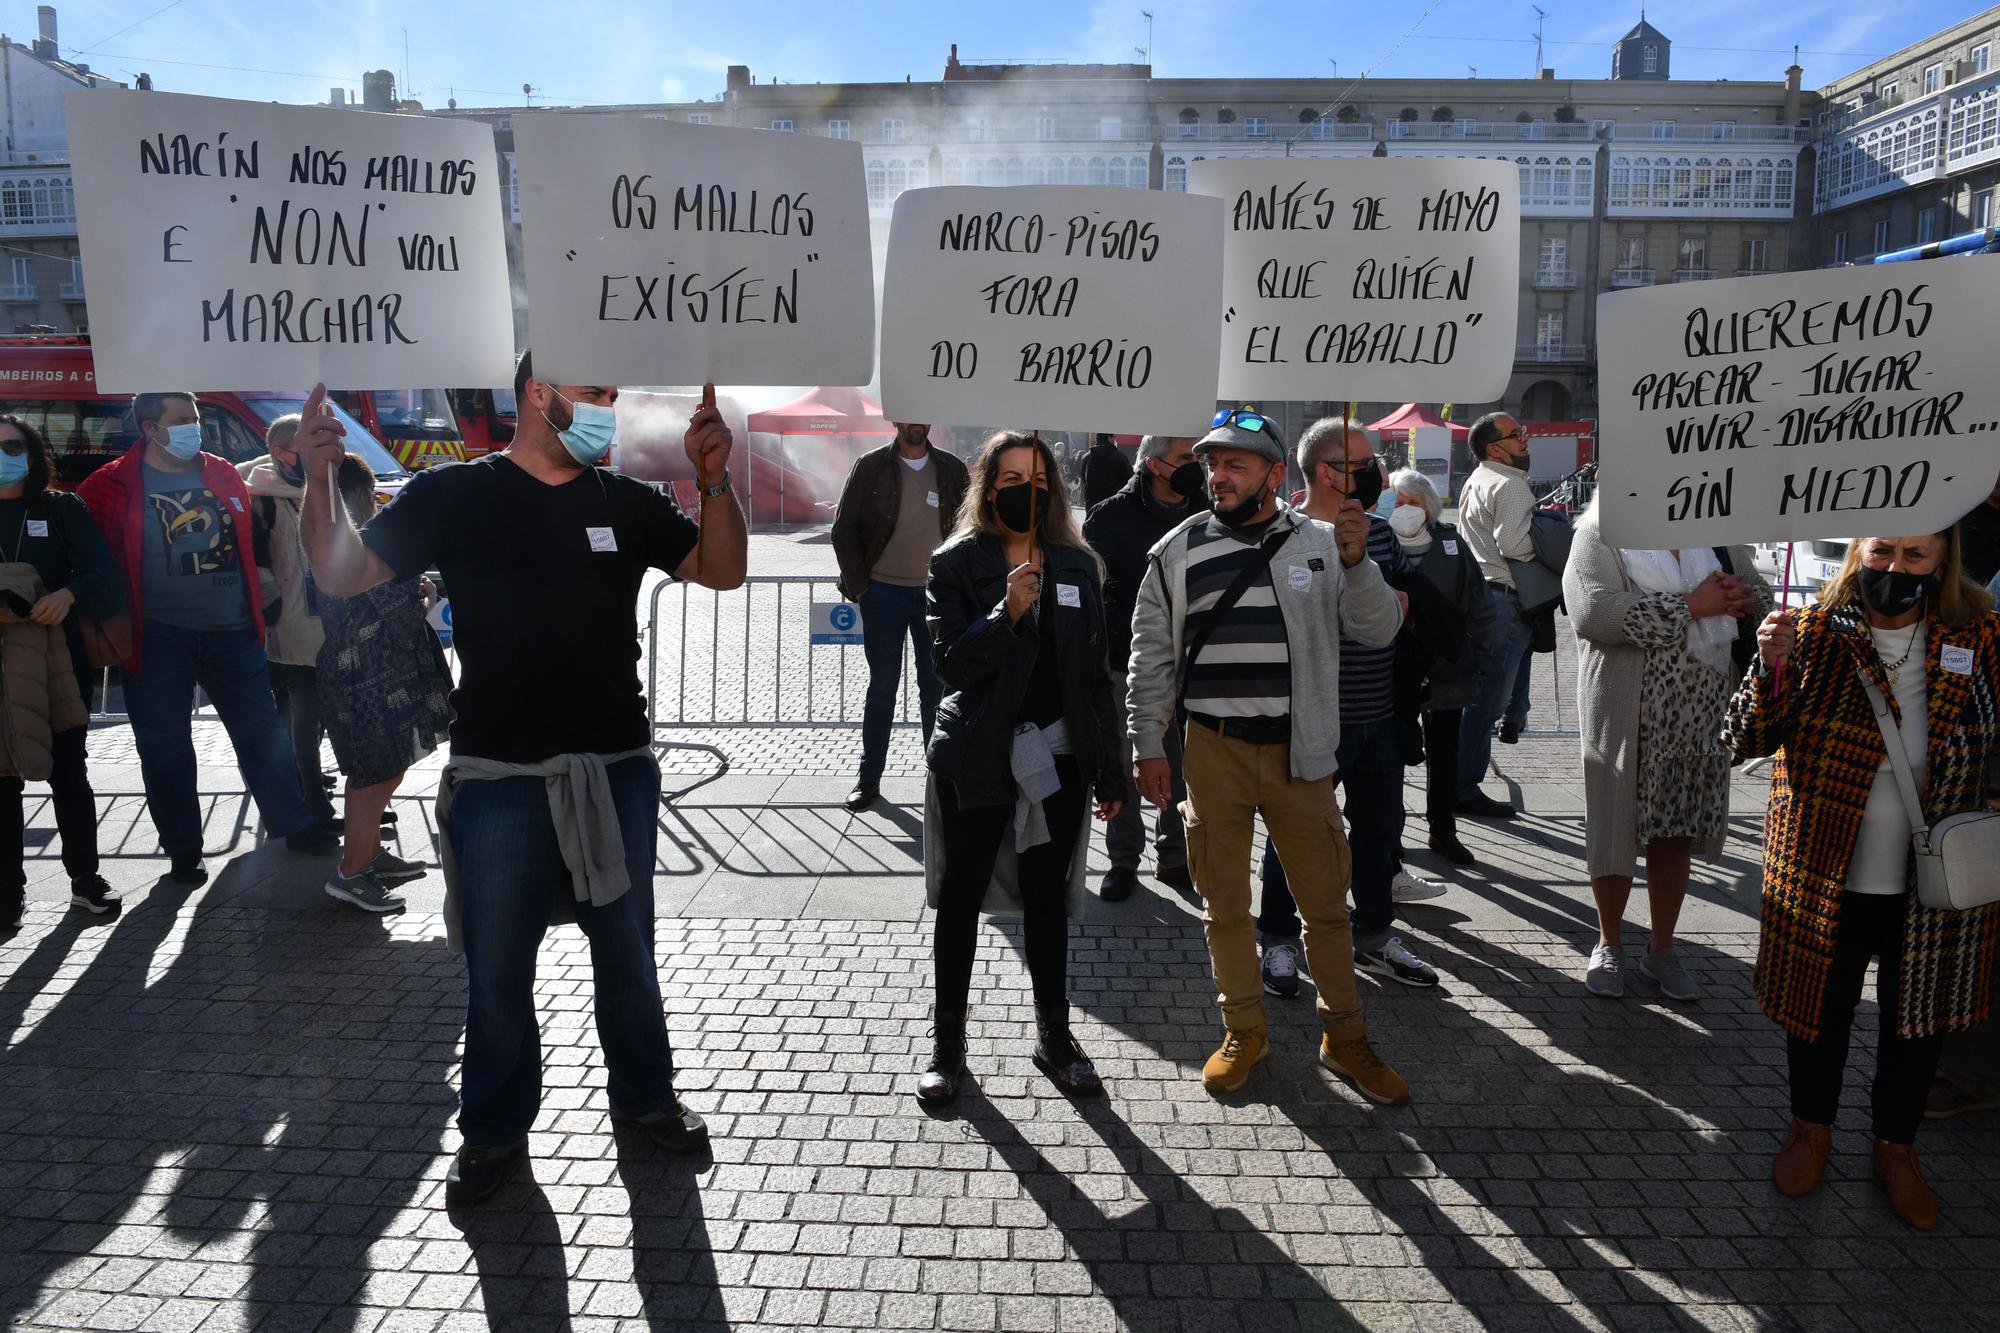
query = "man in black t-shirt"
{"x": 552, "y": 787}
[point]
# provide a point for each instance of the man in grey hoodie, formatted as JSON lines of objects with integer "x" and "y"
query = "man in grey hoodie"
{"x": 1240, "y": 618}
{"x": 291, "y": 611}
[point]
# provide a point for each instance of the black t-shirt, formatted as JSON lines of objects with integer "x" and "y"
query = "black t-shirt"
{"x": 544, "y": 585}
{"x": 1043, "y": 703}
{"x": 1979, "y": 541}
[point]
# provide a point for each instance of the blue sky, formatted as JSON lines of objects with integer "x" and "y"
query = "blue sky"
{"x": 645, "y": 50}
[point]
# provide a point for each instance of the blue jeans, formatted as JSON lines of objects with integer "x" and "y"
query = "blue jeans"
{"x": 1371, "y": 782}
{"x": 229, "y": 667}
{"x": 510, "y": 872}
{"x": 1517, "y": 707}
{"x": 1497, "y": 683}
{"x": 890, "y": 613}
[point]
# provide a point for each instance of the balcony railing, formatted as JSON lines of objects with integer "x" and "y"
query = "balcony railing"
{"x": 1693, "y": 274}
{"x": 17, "y": 291}
{"x": 70, "y": 291}
{"x": 1754, "y": 272}
{"x": 1508, "y": 130}
{"x": 1554, "y": 278}
{"x": 1631, "y": 277}
{"x": 1703, "y": 132}
{"x": 1550, "y": 353}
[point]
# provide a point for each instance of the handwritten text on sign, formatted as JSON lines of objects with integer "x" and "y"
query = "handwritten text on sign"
{"x": 1052, "y": 307}
{"x": 1377, "y": 278}
{"x": 663, "y": 253}
{"x": 244, "y": 245}
{"x": 1835, "y": 403}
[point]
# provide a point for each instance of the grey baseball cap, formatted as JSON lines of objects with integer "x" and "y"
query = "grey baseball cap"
{"x": 1263, "y": 442}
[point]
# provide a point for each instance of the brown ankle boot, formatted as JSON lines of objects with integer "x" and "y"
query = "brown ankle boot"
{"x": 1799, "y": 1163}
{"x": 1910, "y": 1196}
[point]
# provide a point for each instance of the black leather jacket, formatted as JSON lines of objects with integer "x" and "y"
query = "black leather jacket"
{"x": 984, "y": 663}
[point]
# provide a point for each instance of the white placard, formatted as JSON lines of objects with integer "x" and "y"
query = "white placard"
{"x": 1832, "y": 403}
{"x": 1391, "y": 278}
{"x": 1052, "y": 307}
{"x": 243, "y": 245}
{"x": 664, "y": 253}
{"x": 1430, "y": 454}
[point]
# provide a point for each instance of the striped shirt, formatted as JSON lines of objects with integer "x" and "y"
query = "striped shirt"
{"x": 1368, "y": 675}
{"x": 1245, "y": 668}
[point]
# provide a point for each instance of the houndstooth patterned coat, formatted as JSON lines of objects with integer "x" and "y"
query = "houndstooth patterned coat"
{"x": 1829, "y": 750}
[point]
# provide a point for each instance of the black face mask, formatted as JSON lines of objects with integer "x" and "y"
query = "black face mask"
{"x": 293, "y": 472}
{"x": 1891, "y": 592}
{"x": 1189, "y": 481}
{"x": 1022, "y": 507}
{"x": 1246, "y": 513}
{"x": 1366, "y": 486}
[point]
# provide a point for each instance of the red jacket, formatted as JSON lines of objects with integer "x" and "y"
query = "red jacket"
{"x": 116, "y": 496}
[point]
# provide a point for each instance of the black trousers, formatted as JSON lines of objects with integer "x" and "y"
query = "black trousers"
{"x": 1441, "y": 771}
{"x": 971, "y": 842}
{"x": 296, "y": 688}
{"x": 1869, "y": 925}
{"x": 76, "y": 814}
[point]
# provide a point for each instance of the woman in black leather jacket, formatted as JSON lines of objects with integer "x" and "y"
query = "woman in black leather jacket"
{"x": 1027, "y": 729}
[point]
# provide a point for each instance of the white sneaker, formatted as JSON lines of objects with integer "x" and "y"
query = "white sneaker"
{"x": 1606, "y": 975}
{"x": 1281, "y": 968}
{"x": 1408, "y": 888}
{"x": 1665, "y": 970}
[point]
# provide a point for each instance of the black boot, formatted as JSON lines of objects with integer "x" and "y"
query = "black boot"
{"x": 939, "y": 1081}
{"x": 1058, "y": 1056}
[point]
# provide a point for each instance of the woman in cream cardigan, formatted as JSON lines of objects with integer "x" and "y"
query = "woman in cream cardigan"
{"x": 1655, "y": 638}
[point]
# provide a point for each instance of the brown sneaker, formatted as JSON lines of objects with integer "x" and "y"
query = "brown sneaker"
{"x": 1799, "y": 1163}
{"x": 1910, "y": 1196}
{"x": 1229, "y": 1068}
{"x": 1355, "y": 1060}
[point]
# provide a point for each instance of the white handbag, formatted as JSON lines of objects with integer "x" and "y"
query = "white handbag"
{"x": 1958, "y": 858}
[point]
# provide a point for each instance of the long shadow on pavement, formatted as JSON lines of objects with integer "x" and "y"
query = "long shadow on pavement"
{"x": 270, "y": 1097}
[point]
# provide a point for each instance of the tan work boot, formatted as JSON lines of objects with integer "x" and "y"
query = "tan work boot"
{"x": 1903, "y": 1180}
{"x": 1229, "y": 1068}
{"x": 1798, "y": 1165}
{"x": 1355, "y": 1060}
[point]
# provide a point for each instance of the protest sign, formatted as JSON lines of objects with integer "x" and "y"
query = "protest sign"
{"x": 1430, "y": 454}
{"x": 242, "y": 245}
{"x": 1391, "y": 278}
{"x": 1830, "y": 403}
{"x": 663, "y": 253}
{"x": 1052, "y": 307}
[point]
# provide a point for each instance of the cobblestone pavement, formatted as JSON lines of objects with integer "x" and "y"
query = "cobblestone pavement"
{"x": 231, "y": 1107}
{"x": 230, "y": 1118}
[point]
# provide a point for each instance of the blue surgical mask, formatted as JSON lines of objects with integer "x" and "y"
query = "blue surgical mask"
{"x": 184, "y": 440}
{"x": 13, "y": 468}
{"x": 591, "y": 427}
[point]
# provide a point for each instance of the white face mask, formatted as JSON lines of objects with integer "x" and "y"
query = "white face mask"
{"x": 1408, "y": 520}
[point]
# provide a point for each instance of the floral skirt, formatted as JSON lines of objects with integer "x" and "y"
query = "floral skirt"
{"x": 384, "y": 684}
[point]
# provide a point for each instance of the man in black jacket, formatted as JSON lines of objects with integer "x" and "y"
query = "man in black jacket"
{"x": 1164, "y": 490}
{"x": 1105, "y": 471}
{"x": 898, "y": 505}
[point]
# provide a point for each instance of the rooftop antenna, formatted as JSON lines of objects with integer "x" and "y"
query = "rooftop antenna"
{"x": 1336, "y": 66}
{"x": 528, "y": 93}
{"x": 1149, "y": 35}
{"x": 1541, "y": 16}
{"x": 406, "y": 64}
{"x": 1472, "y": 71}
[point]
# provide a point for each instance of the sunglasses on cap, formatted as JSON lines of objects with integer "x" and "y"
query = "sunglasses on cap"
{"x": 1243, "y": 417}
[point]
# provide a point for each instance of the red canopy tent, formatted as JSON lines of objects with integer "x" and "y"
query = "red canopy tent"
{"x": 796, "y": 477}
{"x": 1396, "y": 427}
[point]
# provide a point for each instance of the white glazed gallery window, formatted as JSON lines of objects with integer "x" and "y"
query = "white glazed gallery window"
{"x": 836, "y": 129}
{"x": 697, "y": 117}
{"x": 1549, "y": 329}
{"x": 1256, "y": 127}
{"x": 890, "y": 176}
{"x": 782, "y": 126}
{"x": 1176, "y": 178}
{"x": 1933, "y": 78}
{"x": 1982, "y": 56}
{"x": 892, "y": 131}
{"x": 1110, "y": 129}
{"x": 1982, "y": 209}
{"x": 1045, "y": 128}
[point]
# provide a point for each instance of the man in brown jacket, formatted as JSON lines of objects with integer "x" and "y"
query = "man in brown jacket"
{"x": 899, "y": 504}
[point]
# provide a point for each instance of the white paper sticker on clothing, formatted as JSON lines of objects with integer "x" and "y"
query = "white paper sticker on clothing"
{"x": 1450, "y": 546}
{"x": 1068, "y": 594}
{"x": 1958, "y": 661}
{"x": 1300, "y": 578}
{"x": 601, "y": 539}
{"x": 930, "y": 498}
{"x": 38, "y": 527}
